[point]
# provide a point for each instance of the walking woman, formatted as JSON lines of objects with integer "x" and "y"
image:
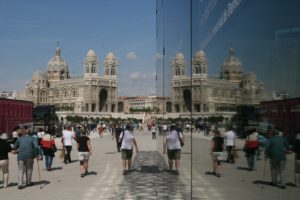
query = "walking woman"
{"x": 49, "y": 149}
{"x": 216, "y": 151}
{"x": 5, "y": 148}
{"x": 84, "y": 152}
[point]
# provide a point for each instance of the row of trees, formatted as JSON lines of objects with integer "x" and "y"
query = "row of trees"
{"x": 78, "y": 120}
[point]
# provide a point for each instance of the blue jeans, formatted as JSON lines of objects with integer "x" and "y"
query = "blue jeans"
{"x": 48, "y": 161}
{"x": 251, "y": 160}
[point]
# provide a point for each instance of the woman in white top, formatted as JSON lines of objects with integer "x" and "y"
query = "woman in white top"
{"x": 173, "y": 148}
{"x": 127, "y": 139}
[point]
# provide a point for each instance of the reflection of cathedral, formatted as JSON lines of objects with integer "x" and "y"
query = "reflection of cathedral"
{"x": 213, "y": 95}
{"x": 89, "y": 93}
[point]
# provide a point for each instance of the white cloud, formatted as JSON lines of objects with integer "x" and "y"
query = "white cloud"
{"x": 158, "y": 56}
{"x": 136, "y": 76}
{"x": 131, "y": 56}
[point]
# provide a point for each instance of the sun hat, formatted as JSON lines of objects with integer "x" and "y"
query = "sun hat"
{"x": 4, "y": 136}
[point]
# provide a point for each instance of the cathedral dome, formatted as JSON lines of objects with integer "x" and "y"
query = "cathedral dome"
{"x": 179, "y": 56}
{"x": 250, "y": 76}
{"x": 38, "y": 76}
{"x": 110, "y": 56}
{"x": 232, "y": 63}
{"x": 57, "y": 63}
{"x": 200, "y": 55}
{"x": 91, "y": 53}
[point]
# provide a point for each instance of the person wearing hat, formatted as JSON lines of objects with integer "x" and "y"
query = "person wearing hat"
{"x": 5, "y": 148}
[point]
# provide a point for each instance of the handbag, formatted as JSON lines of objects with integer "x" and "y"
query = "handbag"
{"x": 53, "y": 147}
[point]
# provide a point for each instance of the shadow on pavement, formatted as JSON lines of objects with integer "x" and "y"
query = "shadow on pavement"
{"x": 150, "y": 180}
{"x": 42, "y": 183}
{"x": 243, "y": 168}
{"x": 210, "y": 173}
{"x": 92, "y": 173}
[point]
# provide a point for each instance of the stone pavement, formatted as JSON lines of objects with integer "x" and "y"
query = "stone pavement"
{"x": 149, "y": 178}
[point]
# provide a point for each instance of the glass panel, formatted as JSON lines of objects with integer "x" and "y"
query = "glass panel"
{"x": 245, "y": 62}
{"x": 174, "y": 84}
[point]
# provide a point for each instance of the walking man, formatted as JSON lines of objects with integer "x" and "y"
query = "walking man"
{"x": 66, "y": 140}
{"x": 230, "y": 144}
{"x": 27, "y": 148}
{"x": 276, "y": 150}
{"x": 116, "y": 135}
{"x": 128, "y": 141}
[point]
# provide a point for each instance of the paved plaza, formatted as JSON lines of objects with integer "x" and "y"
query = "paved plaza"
{"x": 149, "y": 178}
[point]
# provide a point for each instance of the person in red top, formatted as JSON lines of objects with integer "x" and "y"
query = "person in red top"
{"x": 49, "y": 148}
{"x": 251, "y": 145}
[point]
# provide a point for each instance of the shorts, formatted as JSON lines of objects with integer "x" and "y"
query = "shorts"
{"x": 174, "y": 154}
{"x": 217, "y": 156}
{"x": 83, "y": 156}
{"x": 126, "y": 154}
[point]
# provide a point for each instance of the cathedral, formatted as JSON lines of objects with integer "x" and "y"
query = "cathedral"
{"x": 88, "y": 93}
{"x": 213, "y": 95}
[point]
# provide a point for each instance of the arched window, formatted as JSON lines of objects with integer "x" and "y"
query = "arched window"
{"x": 87, "y": 68}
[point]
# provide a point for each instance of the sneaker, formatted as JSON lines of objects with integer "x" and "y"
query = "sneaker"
{"x": 124, "y": 172}
{"x": 218, "y": 175}
{"x": 82, "y": 175}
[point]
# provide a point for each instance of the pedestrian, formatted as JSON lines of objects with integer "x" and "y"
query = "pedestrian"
{"x": 84, "y": 152}
{"x": 5, "y": 148}
{"x": 27, "y": 148}
{"x": 127, "y": 142}
{"x": 276, "y": 150}
{"x": 250, "y": 147}
{"x": 216, "y": 151}
{"x": 173, "y": 148}
{"x": 153, "y": 131}
{"x": 49, "y": 149}
{"x": 296, "y": 150}
{"x": 229, "y": 137}
{"x": 40, "y": 135}
{"x": 116, "y": 134}
{"x": 15, "y": 134}
{"x": 78, "y": 132}
{"x": 262, "y": 145}
{"x": 66, "y": 140}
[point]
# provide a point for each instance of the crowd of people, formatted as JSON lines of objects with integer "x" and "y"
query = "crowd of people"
{"x": 41, "y": 145}
{"x": 274, "y": 148}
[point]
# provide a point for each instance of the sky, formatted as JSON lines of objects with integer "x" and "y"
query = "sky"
{"x": 30, "y": 30}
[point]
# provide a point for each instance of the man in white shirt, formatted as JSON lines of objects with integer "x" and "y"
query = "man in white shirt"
{"x": 128, "y": 141}
{"x": 173, "y": 148}
{"x": 66, "y": 140}
{"x": 230, "y": 144}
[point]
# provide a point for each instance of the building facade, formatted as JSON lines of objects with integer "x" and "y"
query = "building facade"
{"x": 153, "y": 103}
{"x": 89, "y": 93}
{"x": 211, "y": 95}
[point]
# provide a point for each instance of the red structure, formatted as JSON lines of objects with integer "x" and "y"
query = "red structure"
{"x": 284, "y": 114}
{"x": 14, "y": 112}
